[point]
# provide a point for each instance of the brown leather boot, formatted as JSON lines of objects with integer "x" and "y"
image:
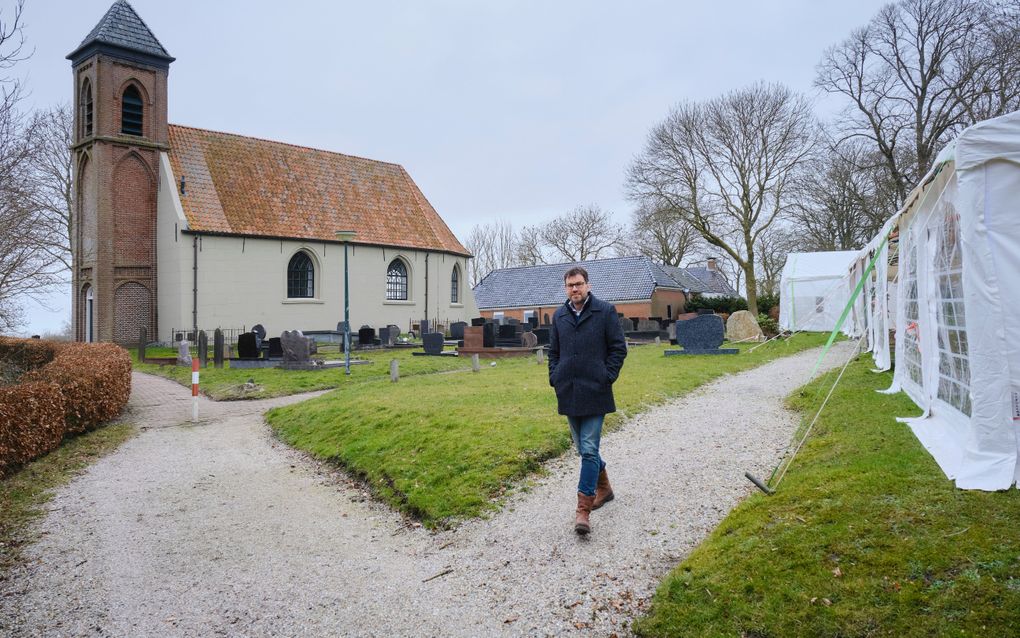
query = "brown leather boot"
{"x": 581, "y": 523}
{"x": 603, "y": 491}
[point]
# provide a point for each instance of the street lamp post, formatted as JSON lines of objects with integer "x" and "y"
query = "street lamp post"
{"x": 346, "y": 236}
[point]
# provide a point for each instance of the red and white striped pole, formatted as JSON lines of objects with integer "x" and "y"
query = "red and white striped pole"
{"x": 194, "y": 390}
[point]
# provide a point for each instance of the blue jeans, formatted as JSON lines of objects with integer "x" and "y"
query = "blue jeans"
{"x": 587, "y": 432}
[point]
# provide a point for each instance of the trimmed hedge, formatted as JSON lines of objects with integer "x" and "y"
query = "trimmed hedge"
{"x": 69, "y": 388}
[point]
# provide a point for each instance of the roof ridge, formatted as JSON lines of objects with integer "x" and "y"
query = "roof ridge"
{"x": 292, "y": 145}
{"x": 564, "y": 263}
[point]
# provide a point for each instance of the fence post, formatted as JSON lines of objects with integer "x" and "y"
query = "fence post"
{"x": 394, "y": 370}
{"x": 203, "y": 349}
{"x": 143, "y": 340}
{"x": 218, "y": 348}
{"x": 475, "y": 366}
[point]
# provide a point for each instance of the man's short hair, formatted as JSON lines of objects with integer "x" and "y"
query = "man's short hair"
{"x": 576, "y": 270}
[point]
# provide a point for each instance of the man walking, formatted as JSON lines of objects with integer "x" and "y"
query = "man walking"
{"x": 586, "y": 352}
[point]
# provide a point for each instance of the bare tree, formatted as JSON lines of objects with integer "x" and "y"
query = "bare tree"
{"x": 49, "y": 138}
{"x": 26, "y": 270}
{"x": 729, "y": 167}
{"x": 582, "y": 234}
{"x": 493, "y": 246}
{"x": 661, "y": 234}
{"x": 530, "y": 249}
{"x": 773, "y": 247}
{"x": 918, "y": 73}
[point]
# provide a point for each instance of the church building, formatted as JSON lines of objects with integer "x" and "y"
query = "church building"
{"x": 178, "y": 228}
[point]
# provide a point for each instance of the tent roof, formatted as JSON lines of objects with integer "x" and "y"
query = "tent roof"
{"x": 820, "y": 265}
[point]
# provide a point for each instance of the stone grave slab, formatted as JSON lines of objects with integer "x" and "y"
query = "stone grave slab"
{"x": 701, "y": 335}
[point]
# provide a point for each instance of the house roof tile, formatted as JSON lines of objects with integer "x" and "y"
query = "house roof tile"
{"x": 248, "y": 186}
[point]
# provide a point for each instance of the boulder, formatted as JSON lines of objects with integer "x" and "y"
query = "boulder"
{"x": 742, "y": 326}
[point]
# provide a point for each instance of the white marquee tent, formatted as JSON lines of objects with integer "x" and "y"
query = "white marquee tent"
{"x": 814, "y": 290}
{"x": 957, "y": 305}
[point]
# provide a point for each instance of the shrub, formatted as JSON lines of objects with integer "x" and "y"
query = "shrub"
{"x": 768, "y": 325}
{"x": 31, "y": 422}
{"x": 68, "y": 388}
{"x": 767, "y": 302}
{"x": 727, "y": 305}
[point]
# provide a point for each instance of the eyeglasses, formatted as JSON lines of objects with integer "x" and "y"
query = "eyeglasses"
{"x": 581, "y": 284}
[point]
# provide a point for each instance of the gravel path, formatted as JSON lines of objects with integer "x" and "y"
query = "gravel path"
{"x": 217, "y": 529}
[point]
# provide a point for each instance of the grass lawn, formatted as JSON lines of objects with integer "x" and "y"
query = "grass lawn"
{"x": 226, "y": 384}
{"x": 444, "y": 447}
{"x": 24, "y": 493}
{"x": 864, "y": 537}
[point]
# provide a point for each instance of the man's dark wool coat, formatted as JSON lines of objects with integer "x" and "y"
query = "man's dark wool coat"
{"x": 585, "y": 357}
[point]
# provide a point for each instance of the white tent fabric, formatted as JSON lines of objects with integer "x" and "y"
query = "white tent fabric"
{"x": 957, "y": 306}
{"x": 814, "y": 290}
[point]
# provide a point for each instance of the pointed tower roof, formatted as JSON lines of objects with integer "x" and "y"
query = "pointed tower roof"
{"x": 121, "y": 33}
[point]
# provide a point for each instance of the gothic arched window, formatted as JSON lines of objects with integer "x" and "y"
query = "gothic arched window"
{"x": 455, "y": 285}
{"x": 131, "y": 111}
{"x": 85, "y": 112}
{"x": 300, "y": 277}
{"x": 396, "y": 281}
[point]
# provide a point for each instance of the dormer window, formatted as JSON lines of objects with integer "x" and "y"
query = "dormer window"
{"x": 131, "y": 112}
{"x": 85, "y": 113}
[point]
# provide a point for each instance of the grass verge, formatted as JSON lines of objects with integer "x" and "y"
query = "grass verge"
{"x": 24, "y": 493}
{"x": 864, "y": 537}
{"x": 444, "y": 447}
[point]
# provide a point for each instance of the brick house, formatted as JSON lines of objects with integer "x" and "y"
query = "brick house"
{"x": 183, "y": 228}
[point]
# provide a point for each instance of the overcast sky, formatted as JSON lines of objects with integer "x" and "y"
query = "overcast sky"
{"x": 514, "y": 110}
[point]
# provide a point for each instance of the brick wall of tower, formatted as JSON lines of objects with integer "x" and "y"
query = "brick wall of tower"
{"x": 116, "y": 205}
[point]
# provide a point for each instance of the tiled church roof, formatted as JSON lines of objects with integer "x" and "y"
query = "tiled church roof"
{"x": 248, "y": 186}
{"x": 121, "y": 27}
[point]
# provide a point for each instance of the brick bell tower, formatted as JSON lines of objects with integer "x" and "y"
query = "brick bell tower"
{"x": 120, "y": 128}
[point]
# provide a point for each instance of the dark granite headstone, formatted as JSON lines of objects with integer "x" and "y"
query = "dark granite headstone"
{"x": 260, "y": 334}
{"x": 546, "y": 319}
{"x": 478, "y": 321}
{"x": 542, "y": 334}
{"x": 457, "y": 330}
{"x": 275, "y": 348}
{"x": 508, "y": 331}
{"x": 366, "y": 336}
{"x": 647, "y": 325}
{"x": 489, "y": 335}
{"x": 433, "y": 342}
{"x": 533, "y": 320}
{"x": 386, "y": 337}
{"x": 423, "y": 327}
{"x": 626, "y": 324}
{"x": 247, "y": 346}
{"x": 203, "y": 349}
{"x": 512, "y": 321}
{"x": 701, "y": 335}
{"x": 295, "y": 346}
{"x": 218, "y": 348}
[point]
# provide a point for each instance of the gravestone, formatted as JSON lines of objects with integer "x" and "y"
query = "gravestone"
{"x": 394, "y": 370}
{"x": 247, "y": 346}
{"x": 203, "y": 349}
{"x": 489, "y": 335}
{"x": 546, "y": 317}
{"x": 423, "y": 327}
{"x": 366, "y": 336}
{"x": 742, "y": 326}
{"x": 457, "y": 330}
{"x": 217, "y": 349}
{"x": 143, "y": 340}
{"x": 648, "y": 325}
{"x": 511, "y": 321}
{"x": 706, "y": 311}
{"x": 529, "y": 340}
{"x": 542, "y": 334}
{"x": 508, "y": 331}
{"x": 626, "y": 324}
{"x": 386, "y": 338}
{"x": 260, "y": 334}
{"x": 275, "y": 348}
{"x": 183, "y": 354}
{"x": 341, "y": 327}
{"x": 295, "y": 346}
{"x": 395, "y": 331}
{"x": 473, "y": 337}
{"x": 701, "y": 335}
{"x": 433, "y": 342}
{"x": 533, "y": 321}
{"x": 478, "y": 321}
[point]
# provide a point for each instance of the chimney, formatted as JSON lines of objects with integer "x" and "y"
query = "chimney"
{"x": 711, "y": 264}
